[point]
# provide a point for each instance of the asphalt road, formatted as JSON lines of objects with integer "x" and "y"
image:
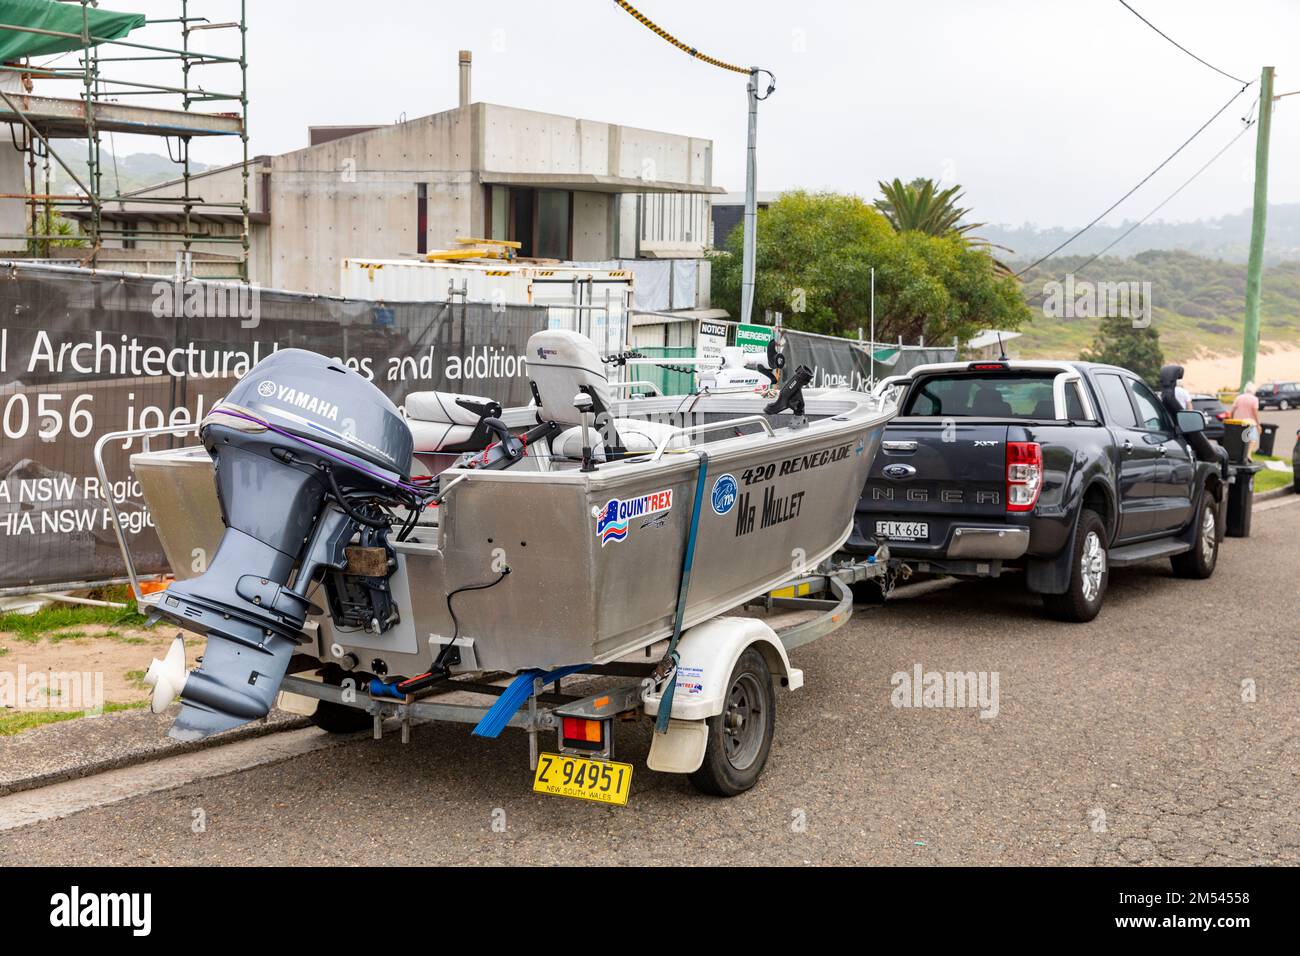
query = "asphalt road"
{"x": 1127, "y": 741}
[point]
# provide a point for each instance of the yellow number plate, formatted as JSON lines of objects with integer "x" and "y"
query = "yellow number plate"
{"x": 601, "y": 780}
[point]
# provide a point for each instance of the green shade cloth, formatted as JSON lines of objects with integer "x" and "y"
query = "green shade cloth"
{"x": 61, "y": 18}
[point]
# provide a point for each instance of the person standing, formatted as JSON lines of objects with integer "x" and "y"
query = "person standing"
{"x": 1246, "y": 409}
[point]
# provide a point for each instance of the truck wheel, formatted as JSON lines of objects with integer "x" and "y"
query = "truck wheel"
{"x": 740, "y": 737}
{"x": 1200, "y": 561}
{"x": 1089, "y": 574}
{"x": 1283, "y": 405}
{"x": 339, "y": 718}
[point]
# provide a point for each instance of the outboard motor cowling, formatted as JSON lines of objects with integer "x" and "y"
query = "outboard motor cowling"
{"x": 308, "y": 455}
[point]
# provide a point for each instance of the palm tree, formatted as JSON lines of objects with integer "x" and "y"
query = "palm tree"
{"x": 921, "y": 206}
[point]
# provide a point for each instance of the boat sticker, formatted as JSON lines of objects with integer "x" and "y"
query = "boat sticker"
{"x": 724, "y": 494}
{"x": 792, "y": 466}
{"x": 690, "y": 680}
{"x": 776, "y": 509}
{"x": 612, "y": 522}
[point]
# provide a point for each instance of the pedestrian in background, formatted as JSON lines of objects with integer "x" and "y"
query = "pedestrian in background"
{"x": 1246, "y": 409}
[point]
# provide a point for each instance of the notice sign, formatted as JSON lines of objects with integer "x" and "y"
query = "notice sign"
{"x": 710, "y": 340}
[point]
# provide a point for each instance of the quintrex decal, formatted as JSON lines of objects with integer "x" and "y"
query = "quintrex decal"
{"x": 612, "y": 522}
{"x": 792, "y": 466}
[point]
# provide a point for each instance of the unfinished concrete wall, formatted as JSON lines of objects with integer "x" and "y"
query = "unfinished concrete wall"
{"x": 357, "y": 196}
{"x": 591, "y": 226}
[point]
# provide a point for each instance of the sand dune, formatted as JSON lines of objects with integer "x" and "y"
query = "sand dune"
{"x": 1277, "y": 362}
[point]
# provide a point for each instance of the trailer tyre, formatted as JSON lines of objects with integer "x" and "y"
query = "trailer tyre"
{"x": 338, "y": 718}
{"x": 740, "y": 737}
{"x": 1201, "y": 560}
{"x": 1089, "y": 574}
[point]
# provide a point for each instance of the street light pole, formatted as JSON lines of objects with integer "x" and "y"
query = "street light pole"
{"x": 751, "y": 203}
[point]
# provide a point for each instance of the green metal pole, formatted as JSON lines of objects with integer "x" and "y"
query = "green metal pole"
{"x": 1255, "y": 266}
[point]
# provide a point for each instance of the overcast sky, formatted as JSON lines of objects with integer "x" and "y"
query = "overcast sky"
{"x": 1046, "y": 111}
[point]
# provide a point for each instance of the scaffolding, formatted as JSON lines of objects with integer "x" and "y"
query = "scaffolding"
{"x": 99, "y": 109}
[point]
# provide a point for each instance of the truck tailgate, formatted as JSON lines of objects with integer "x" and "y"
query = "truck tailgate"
{"x": 929, "y": 467}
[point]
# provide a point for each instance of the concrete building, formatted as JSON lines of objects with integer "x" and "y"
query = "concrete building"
{"x": 564, "y": 188}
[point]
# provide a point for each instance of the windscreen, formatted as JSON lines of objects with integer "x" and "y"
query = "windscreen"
{"x": 1025, "y": 395}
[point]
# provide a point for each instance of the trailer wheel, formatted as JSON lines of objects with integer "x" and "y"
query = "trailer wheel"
{"x": 1089, "y": 574}
{"x": 1200, "y": 561}
{"x": 339, "y": 718}
{"x": 740, "y": 737}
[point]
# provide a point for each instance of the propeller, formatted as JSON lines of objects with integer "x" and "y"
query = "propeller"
{"x": 167, "y": 676}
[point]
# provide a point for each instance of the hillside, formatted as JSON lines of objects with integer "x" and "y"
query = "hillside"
{"x": 134, "y": 171}
{"x": 1227, "y": 237}
{"x": 1197, "y": 303}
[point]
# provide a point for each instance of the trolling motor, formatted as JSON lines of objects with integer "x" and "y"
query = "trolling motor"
{"x": 309, "y": 459}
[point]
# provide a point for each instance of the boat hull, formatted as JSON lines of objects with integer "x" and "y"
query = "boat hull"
{"x": 595, "y": 558}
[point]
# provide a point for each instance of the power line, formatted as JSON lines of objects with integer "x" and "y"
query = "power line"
{"x": 1179, "y": 45}
{"x": 685, "y": 48}
{"x": 1111, "y": 208}
{"x": 1244, "y": 130}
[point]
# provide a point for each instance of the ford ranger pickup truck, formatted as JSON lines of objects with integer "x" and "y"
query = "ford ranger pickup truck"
{"x": 1062, "y": 470}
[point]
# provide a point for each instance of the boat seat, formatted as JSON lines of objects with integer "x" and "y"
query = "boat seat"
{"x": 638, "y": 438}
{"x": 561, "y": 364}
{"x": 438, "y": 422}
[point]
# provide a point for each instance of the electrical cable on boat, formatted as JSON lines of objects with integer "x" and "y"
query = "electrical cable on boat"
{"x": 439, "y": 668}
{"x": 350, "y": 511}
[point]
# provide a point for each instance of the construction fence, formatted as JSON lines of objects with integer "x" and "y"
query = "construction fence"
{"x": 84, "y": 353}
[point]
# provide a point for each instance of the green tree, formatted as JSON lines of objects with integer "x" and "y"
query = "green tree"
{"x": 814, "y": 258}
{"x": 1120, "y": 342}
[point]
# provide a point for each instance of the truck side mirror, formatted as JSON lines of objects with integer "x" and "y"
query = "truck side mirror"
{"x": 1190, "y": 422}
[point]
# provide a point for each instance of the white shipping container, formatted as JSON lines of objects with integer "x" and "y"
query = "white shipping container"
{"x": 504, "y": 283}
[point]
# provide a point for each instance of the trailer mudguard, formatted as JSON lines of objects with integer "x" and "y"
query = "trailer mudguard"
{"x": 708, "y": 654}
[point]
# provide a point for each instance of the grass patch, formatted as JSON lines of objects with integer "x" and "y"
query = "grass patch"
{"x": 137, "y": 679}
{"x": 1270, "y": 480}
{"x": 59, "y": 622}
{"x": 15, "y": 722}
{"x": 3, "y": 651}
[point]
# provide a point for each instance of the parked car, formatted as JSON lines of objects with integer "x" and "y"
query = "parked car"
{"x": 1214, "y": 412}
{"x": 1064, "y": 470}
{"x": 1281, "y": 395}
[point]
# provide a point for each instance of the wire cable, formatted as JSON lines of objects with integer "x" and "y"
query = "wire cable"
{"x": 1145, "y": 179}
{"x": 1166, "y": 200}
{"x": 659, "y": 31}
{"x": 1179, "y": 45}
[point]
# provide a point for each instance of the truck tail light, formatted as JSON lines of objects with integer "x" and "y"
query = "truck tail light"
{"x": 1024, "y": 474}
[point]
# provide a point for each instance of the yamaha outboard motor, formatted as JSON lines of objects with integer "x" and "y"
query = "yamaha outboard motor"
{"x": 309, "y": 456}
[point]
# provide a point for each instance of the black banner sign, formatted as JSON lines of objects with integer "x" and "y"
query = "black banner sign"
{"x": 86, "y": 353}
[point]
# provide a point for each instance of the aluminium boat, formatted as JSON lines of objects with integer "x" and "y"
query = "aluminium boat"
{"x": 453, "y": 536}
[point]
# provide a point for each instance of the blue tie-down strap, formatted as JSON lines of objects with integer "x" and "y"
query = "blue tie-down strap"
{"x": 516, "y": 695}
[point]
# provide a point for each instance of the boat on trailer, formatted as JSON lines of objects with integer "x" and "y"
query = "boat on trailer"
{"x": 414, "y": 553}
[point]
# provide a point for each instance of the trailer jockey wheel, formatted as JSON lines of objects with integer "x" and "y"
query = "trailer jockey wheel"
{"x": 740, "y": 737}
{"x": 336, "y": 718}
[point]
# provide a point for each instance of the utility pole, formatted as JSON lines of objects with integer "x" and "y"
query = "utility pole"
{"x": 751, "y": 204}
{"x": 1255, "y": 265}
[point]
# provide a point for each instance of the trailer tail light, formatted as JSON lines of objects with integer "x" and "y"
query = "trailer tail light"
{"x": 579, "y": 733}
{"x": 1024, "y": 474}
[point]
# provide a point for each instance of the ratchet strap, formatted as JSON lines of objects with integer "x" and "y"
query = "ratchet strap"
{"x": 670, "y": 656}
{"x": 515, "y": 696}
